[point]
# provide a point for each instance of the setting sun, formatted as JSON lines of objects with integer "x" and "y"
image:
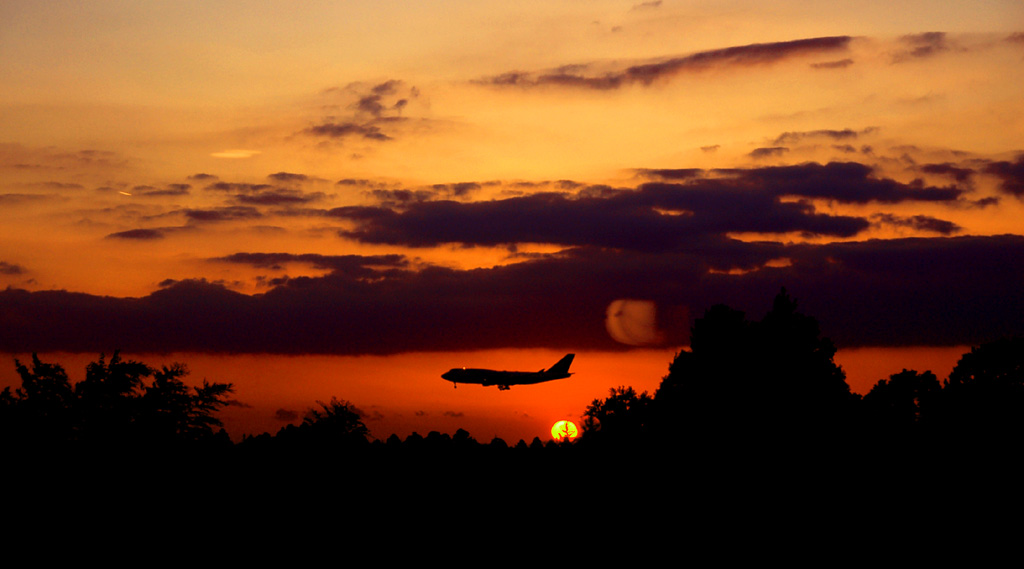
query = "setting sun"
{"x": 563, "y": 430}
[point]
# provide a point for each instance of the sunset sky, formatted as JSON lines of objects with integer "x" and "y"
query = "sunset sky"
{"x": 347, "y": 199}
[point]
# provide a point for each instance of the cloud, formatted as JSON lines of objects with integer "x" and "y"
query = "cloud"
{"x": 695, "y": 206}
{"x": 656, "y": 217}
{"x": 913, "y": 291}
{"x": 288, "y": 177}
{"x": 358, "y": 266}
{"x": 139, "y": 234}
{"x": 919, "y": 223}
{"x": 837, "y": 64}
{"x": 222, "y": 213}
{"x": 845, "y": 182}
{"x": 918, "y": 46}
{"x": 169, "y": 190}
{"x": 1010, "y": 175}
{"x": 797, "y": 136}
{"x": 645, "y": 74}
{"x": 767, "y": 152}
{"x": 367, "y": 131}
{"x": 671, "y": 173}
{"x": 367, "y": 112}
{"x": 400, "y": 197}
{"x": 11, "y": 269}
{"x": 279, "y": 196}
{"x": 267, "y": 194}
{"x": 239, "y": 188}
{"x": 958, "y": 173}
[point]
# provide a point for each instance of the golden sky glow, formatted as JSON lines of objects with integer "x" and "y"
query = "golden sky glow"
{"x": 410, "y": 147}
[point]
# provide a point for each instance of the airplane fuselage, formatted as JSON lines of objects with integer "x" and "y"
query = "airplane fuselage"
{"x": 504, "y": 379}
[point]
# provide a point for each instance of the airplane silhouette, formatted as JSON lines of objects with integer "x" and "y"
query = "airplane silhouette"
{"x": 504, "y": 379}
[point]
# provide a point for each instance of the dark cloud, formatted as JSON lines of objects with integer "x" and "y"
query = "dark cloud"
{"x": 222, "y": 213}
{"x": 11, "y": 269}
{"x": 655, "y": 216}
{"x": 368, "y": 131}
{"x": 659, "y": 216}
{"x": 924, "y": 45}
{"x": 397, "y": 198}
{"x": 362, "y": 182}
{"x": 648, "y": 73}
{"x": 837, "y": 64}
{"x": 960, "y": 174}
{"x": 279, "y": 196}
{"x": 239, "y": 188}
{"x": 353, "y": 265}
{"x": 1010, "y": 175}
{"x": 288, "y": 177}
{"x": 984, "y": 202}
{"x": 919, "y": 223}
{"x": 140, "y": 234}
{"x": 169, "y": 190}
{"x": 934, "y": 291}
{"x": 389, "y": 87}
{"x": 671, "y": 173}
{"x": 368, "y": 112}
{"x": 797, "y": 136}
{"x": 846, "y": 182}
{"x": 379, "y": 101}
{"x": 769, "y": 151}
{"x": 201, "y": 177}
{"x": 457, "y": 190}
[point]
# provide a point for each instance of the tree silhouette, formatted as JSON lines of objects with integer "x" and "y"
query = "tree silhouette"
{"x": 904, "y": 403}
{"x": 334, "y": 424}
{"x": 108, "y": 403}
{"x": 742, "y": 380}
{"x": 984, "y": 394}
{"x": 113, "y": 406}
{"x": 621, "y": 417}
{"x": 39, "y": 413}
{"x": 172, "y": 413}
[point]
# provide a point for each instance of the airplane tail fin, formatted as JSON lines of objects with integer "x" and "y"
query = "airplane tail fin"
{"x": 562, "y": 367}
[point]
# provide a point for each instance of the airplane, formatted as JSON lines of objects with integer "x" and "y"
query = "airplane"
{"x": 505, "y": 379}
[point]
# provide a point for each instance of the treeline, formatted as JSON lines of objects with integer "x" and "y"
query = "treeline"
{"x": 743, "y": 386}
{"x": 773, "y": 383}
{"x": 121, "y": 404}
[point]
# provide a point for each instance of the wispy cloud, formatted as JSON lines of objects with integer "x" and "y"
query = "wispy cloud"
{"x": 645, "y": 74}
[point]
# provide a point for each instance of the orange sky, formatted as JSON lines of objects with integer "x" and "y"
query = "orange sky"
{"x": 390, "y": 153}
